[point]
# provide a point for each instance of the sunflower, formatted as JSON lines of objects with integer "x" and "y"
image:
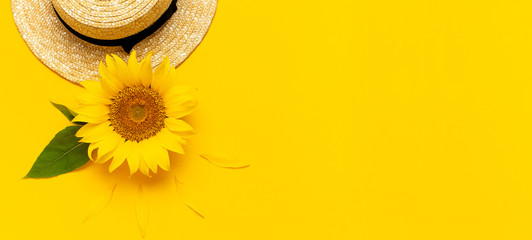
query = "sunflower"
{"x": 133, "y": 114}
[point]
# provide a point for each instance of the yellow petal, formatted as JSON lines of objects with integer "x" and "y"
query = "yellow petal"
{"x": 161, "y": 76}
{"x": 179, "y": 126}
{"x": 184, "y": 199}
{"x": 146, "y": 71}
{"x": 96, "y": 137}
{"x": 157, "y": 153}
{"x": 93, "y": 110}
{"x": 120, "y": 154}
{"x": 134, "y": 66}
{"x": 164, "y": 160}
{"x": 104, "y": 158}
{"x": 132, "y": 62}
{"x": 100, "y": 203}
{"x": 174, "y": 92}
{"x": 170, "y": 83}
{"x": 143, "y": 167}
{"x": 109, "y": 143}
{"x": 91, "y": 129}
{"x": 123, "y": 74}
{"x": 154, "y": 152}
{"x": 170, "y": 141}
{"x": 90, "y": 152}
{"x": 110, "y": 63}
{"x": 133, "y": 159}
{"x": 94, "y": 132}
{"x": 95, "y": 87}
{"x": 225, "y": 161}
{"x": 87, "y": 119}
{"x": 142, "y": 212}
{"x": 104, "y": 71}
{"x": 120, "y": 65}
{"x": 107, "y": 146}
{"x": 181, "y": 106}
{"x": 148, "y": 154}
{"x": 110, "y": 86}
{"x": 85, "y": 129}
{"x": 109, "y": 83}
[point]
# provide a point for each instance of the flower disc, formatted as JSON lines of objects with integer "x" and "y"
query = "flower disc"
{"x": 133, "y": 114}
{"x": 137, "y": 113}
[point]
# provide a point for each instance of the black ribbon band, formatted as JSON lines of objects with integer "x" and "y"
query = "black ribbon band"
{"x": 127, "y": 43}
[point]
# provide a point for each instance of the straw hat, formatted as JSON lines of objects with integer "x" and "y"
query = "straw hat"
{"x": 71, "y": 37}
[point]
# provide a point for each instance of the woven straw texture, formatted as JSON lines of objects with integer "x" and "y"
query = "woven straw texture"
{"x": 110, "y": 19}
{"x": 77, "y": 60}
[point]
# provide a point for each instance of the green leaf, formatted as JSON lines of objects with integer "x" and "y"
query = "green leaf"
{"x": 65, "y": 111}
{"x": 69, "y": 113}
{"x": 63, "y": 154}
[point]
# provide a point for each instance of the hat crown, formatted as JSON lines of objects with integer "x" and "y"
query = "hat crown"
{"x": 110, "y": 19}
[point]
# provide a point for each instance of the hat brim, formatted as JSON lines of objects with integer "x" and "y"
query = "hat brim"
{"x": 77, "y": 60}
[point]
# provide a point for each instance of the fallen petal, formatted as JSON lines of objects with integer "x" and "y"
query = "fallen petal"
{"x": 225, "y": 162}
{"x": 142, "y": 212}
{"x": 100, "y": 203}
{"x": 181, "y": 194}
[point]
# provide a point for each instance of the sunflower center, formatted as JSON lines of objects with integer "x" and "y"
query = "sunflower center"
{"x": 137, "y": 113}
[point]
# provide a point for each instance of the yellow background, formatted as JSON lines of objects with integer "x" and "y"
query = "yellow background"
{"x": 361, "y": 119}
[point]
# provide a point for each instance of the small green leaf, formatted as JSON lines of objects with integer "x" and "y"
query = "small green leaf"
{"x": 63, "y": 154}
{"x": 65, "y": 111}
{"x": 69, "y": 113}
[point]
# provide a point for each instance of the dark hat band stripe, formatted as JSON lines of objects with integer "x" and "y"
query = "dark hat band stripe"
{"x": 127, "y": 43}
